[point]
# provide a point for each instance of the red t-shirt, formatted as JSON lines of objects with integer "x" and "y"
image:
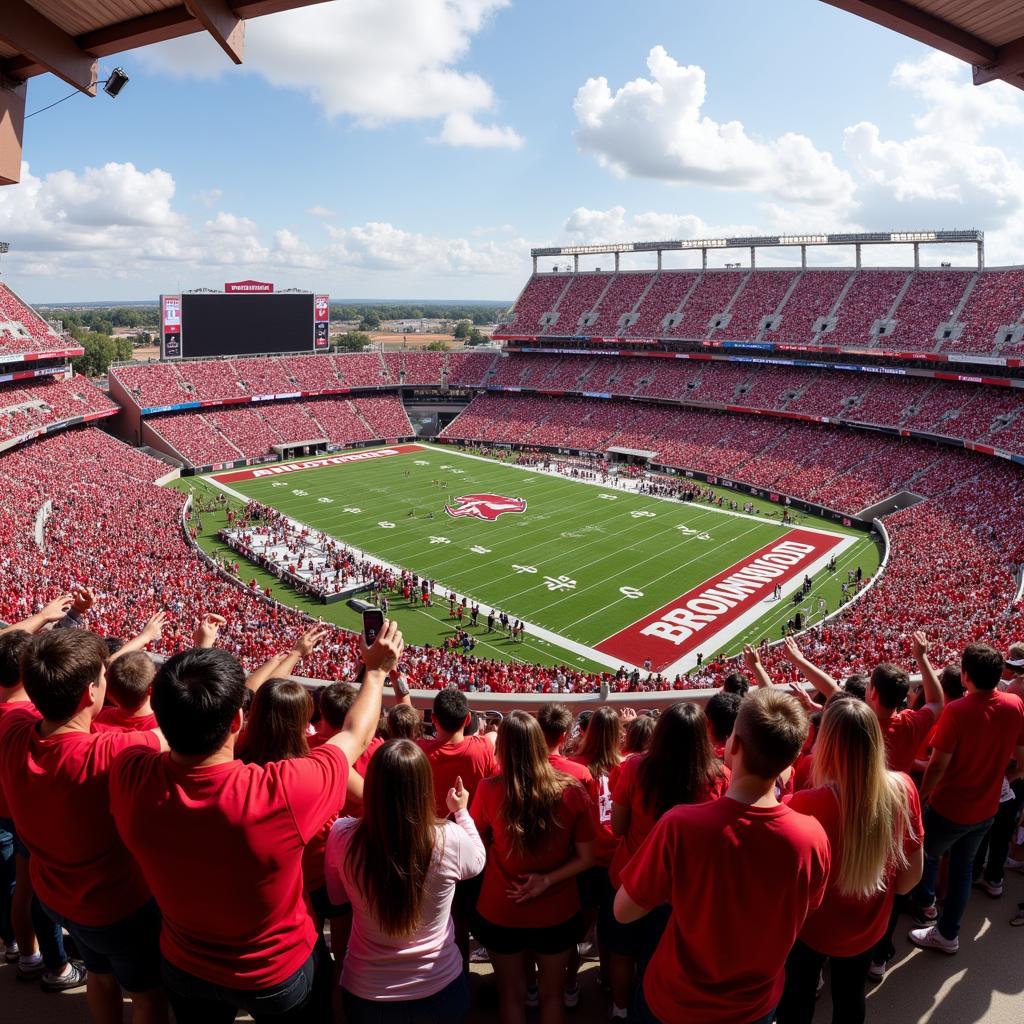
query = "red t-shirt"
{"x": 803, "y": 771}
{"x": 740, "y": 880}
{"x": 980, "y": 730}
{"x": 221, "y": 847}
{"x": 5, "y": 708}
{"x": 627, "y": 790}
{"x": 847, "y": 925}
{"x": 113, "y": 718}
{"x": 58, "y": 793}
{"x": 903, "y": 733}
{"x": 473, "y": 759}
{"x": 505, "y": 866}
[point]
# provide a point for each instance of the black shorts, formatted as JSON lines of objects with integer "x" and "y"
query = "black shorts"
{"x": 548, "y": 941}
{"x": 638, "y": 939}
{"x": 466, "y": 894}
{"x": 594, "y": 887}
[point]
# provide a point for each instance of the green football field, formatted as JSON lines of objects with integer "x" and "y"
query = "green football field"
{"x": 580, "y": 564}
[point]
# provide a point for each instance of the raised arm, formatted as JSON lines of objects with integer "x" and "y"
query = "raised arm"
{"x": 285, "y": 664}
{"x": 151, "y": 632}
{"x": 54, "y": 611}
{"x": 206, "y": 632}
{"x": 817, "y": 677}
{"x": 362, "y": 718}
{"x": 934, "y": 698}
{"x": 754, "y": 666}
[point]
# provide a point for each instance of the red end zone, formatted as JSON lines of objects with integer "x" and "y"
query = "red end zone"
{"x": 695, "y": 619}
{"x": 264, "y": 472}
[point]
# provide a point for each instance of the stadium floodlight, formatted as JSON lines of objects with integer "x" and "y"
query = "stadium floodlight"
{"x": 116, "y": 82}
{"x": 912, "y": 236}
{"x": 803, "y": 239}
{"x": 5, "y": 247}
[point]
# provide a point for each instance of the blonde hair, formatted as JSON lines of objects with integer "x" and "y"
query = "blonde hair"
{"x": 874, "y": 806}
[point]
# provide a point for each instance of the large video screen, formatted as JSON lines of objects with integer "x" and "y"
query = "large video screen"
{"x": 232, "y": 325}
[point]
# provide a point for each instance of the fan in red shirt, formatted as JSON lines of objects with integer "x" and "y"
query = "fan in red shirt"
{"x": 239, "y": 934}
{"x": 537, "y": 826}
{"x": 38, "y": 939}
{"x": 979, "y": 742}
{"x": 454, "y": 755}
{"x": 872, "y": 818}
{"x": 679, "y": 768}
{"x": 56, "y": 779}
{"x": 887, "y": 691}
{"x": 711, "y": 863}
{"x": 129, "y": 679}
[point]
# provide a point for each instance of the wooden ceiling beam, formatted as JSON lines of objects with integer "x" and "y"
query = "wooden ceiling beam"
{"x": 222, "y": 23}
{"x": 49, "y": 47}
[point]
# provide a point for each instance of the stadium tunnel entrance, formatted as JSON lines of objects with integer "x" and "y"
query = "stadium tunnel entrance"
{"x": 297, "y": 450}
{"x": 632, "y": 456}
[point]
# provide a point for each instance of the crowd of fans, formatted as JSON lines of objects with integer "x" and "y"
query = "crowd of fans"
{"x": 205, "y": 840}
{"x": 46, "y": 401}
{"x": 22, "y": 329}
{"x": 151, "y": 385}
{"x": 246, "y": 432}
{"x": 810, "y": 307}
{"x": 956, "y": 410}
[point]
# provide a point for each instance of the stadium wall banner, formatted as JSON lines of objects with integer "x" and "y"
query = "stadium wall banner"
{"x": 35, "y": 357}
{"x": 153, "y": 409}
{"x": 249, "y": 287}
{"x": 330, "y": 460}
{"x": 694, "y": 619}
{"x": 170, "y": 320}
{"x": 321, "y": 322}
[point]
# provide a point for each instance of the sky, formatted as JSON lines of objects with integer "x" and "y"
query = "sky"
{"x": 394, "y": 149}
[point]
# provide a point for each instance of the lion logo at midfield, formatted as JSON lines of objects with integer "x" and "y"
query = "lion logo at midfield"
{"x": 484, "y": 506}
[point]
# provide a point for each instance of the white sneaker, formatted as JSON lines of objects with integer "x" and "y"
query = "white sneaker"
{"x": 876, "y": 969}
{"x": 994, "y": 889}
{"x": 932, "y": 938}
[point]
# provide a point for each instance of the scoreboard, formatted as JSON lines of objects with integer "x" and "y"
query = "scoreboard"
{"x": 248, "y": 318}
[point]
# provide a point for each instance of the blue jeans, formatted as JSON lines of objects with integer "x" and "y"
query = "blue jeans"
{"x": 6, "y": 884}
{"x": 48, "y": 933}
{"x": 449, "y": 1006}
{"x": 961, "y": 842}
{"x": 302, "y": 998}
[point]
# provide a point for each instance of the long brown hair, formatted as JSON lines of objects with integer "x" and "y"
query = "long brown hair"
{"x": 532, "y": 788}
{"x": 393, "y": 845}
{"x": 874, "y": 806}
{"x": 600, "y": 749}
{"x": 275, "y": 727}
{"x": 680, "y": 765}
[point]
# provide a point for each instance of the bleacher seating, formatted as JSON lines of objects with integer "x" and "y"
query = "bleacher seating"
{"x": 538, "y": 297}
{"x": 263, "y": 375}
{"x": 929, "y": 301}
{"x": 33, "y": 404}
{"x": 211, "y": 380}
{"x": 996, "y": 300}
{"x": 469, "y": 369}
{"x": 868, "y": 299}
{"x": 312, "y": 373}
{"x": 711, "y": 296}
{"x": 813, "y": 298}
{"x": 621, "y": 297}
{"x": 22, "y": 329}
{"x": 580, "y": 297}
{"x": 664, "y": 297}
{"x": 760, "y": 297}
{"x": 360, "y": 369}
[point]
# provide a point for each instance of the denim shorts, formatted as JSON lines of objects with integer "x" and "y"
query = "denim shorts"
{"x": 129, "y": 949}
{"x": 449, "y": 1006}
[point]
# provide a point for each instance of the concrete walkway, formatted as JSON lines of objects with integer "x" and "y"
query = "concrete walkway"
{"x": 983, "y": 984}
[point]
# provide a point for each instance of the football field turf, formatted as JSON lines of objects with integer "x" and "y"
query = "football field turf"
{"x": 599, "y": 574}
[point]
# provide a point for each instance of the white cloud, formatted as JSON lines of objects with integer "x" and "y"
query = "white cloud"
{"x": 462, "y": 129}
{"x": 653, "y": 128}
{"x": 320, "y": 211}
{"x": 209, "y": 196}
{"x": 948, "y": 173}
{"x": 376, "y": 61}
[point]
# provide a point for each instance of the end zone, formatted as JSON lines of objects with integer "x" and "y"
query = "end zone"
{"x": 700, "y": 617}
{"x": 279, "y": 468}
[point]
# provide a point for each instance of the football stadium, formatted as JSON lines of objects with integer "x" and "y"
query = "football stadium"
{"x": 646, "y": 646}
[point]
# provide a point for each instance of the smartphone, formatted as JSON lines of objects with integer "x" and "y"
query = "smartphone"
{"x": 373, "y": 623}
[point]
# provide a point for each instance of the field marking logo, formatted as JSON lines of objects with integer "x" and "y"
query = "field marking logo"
{"x": 484, "y": 506}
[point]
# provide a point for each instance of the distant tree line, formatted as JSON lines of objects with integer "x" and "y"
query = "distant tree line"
{"x": 370, "y": 315}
